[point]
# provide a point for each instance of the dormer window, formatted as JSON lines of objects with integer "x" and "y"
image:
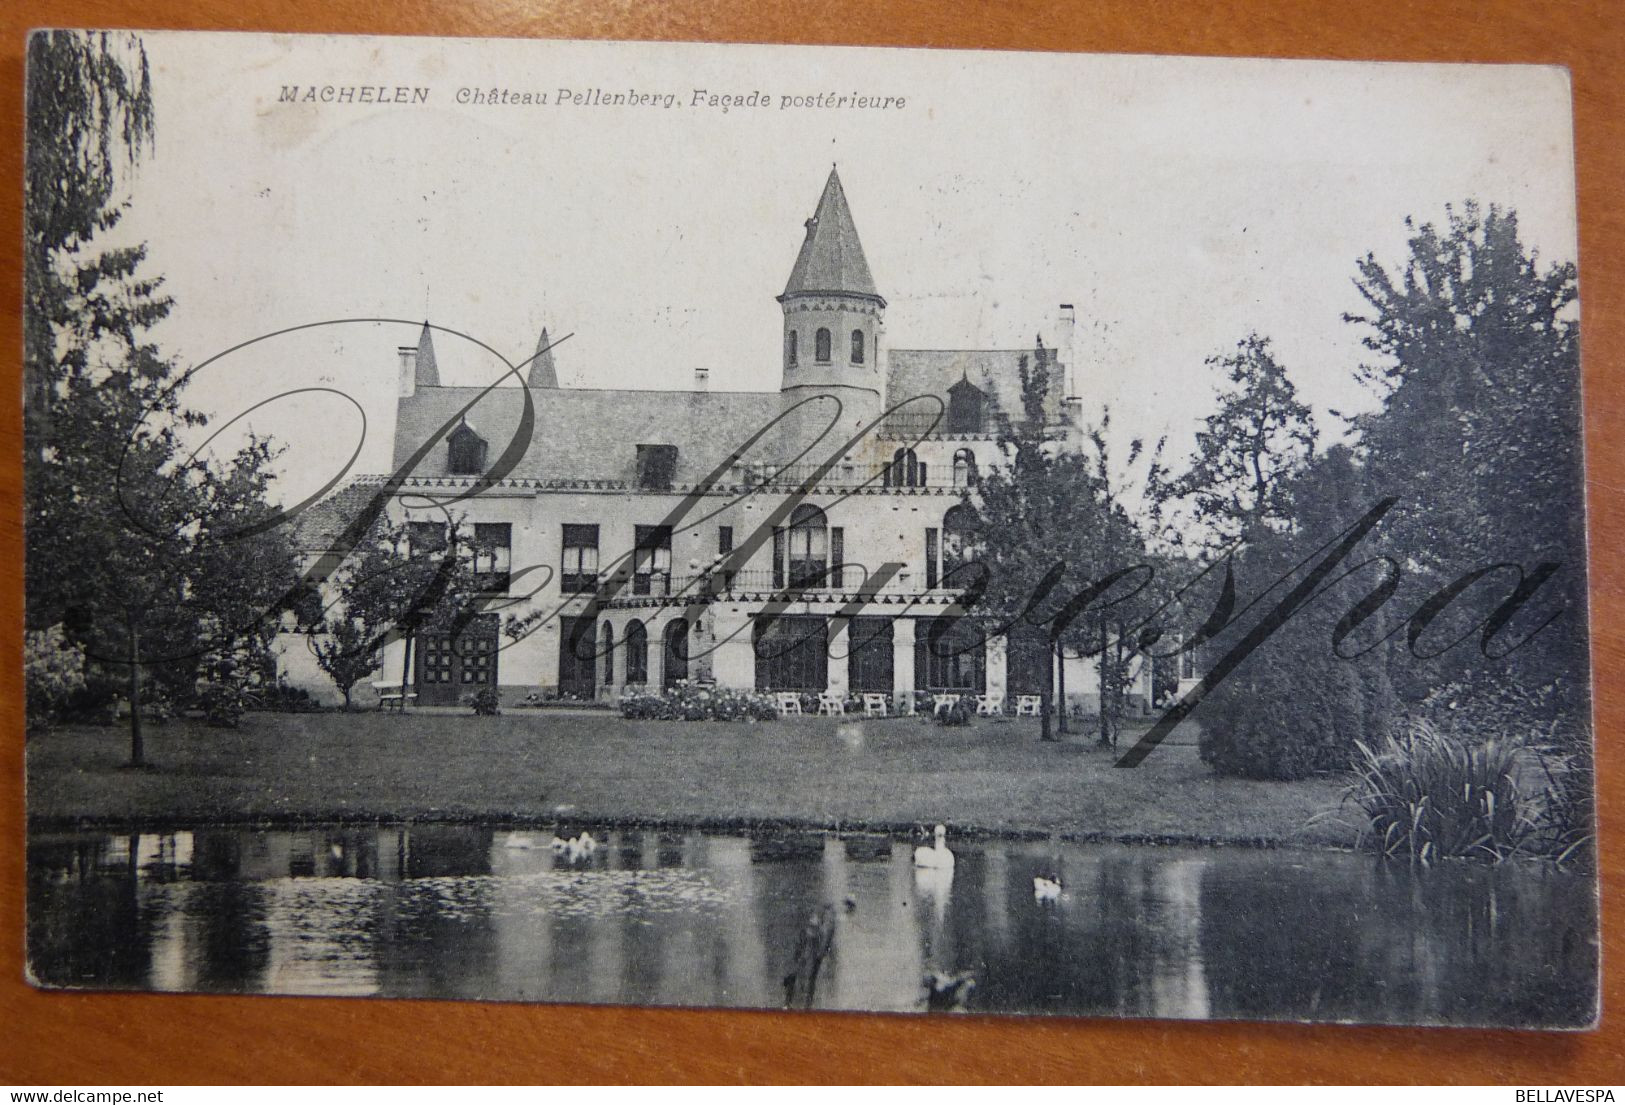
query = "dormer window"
{"x": 465, "y": 451}
{"x": 857, "y": 347}
{"x": 965, "y": 403}
{"x": 821, "y": 345}
{"x": 790, "y": 354}
{"x": 657, "y": 467}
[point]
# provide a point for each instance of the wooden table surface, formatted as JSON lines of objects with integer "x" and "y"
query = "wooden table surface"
{"x": 139, "y": 1039}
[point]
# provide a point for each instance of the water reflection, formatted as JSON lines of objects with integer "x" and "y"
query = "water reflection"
{"x": 700, "y": 919}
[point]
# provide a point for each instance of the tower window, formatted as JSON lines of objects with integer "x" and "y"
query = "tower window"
{"x": 857, "y": 347}
{"x": 821, "y": 345}
{"x": 790, "y": 354}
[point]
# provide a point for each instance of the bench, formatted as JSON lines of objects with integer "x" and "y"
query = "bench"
{"x": 390, "y": 694}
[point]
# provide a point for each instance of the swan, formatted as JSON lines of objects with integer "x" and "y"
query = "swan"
{"x": 939, "y": 856}
{"x": 1046, "y": 889}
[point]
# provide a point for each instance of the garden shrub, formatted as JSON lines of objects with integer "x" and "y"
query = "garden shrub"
{"x": 1428, "y": 795}
{"x": 960, "y": 713}
{"x": 485, "y": 701}
{"x": 53, "y": 672}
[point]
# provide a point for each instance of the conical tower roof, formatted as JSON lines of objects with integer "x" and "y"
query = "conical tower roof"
{"x": 428, "y": 373}
{"x": 831, "y": 258}
{"x": 543, "y": 373}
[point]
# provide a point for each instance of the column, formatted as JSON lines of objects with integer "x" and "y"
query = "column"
{"x": 902, "y": 663}
{"x": 998, "y": 658}
{"x": 733, "y": 663}
{"x": 840, "y": 651}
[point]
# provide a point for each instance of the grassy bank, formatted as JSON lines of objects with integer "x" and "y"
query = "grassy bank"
{"x": 994, "y": 775}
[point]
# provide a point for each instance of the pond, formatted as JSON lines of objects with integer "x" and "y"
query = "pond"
{"x": 693, "y": 918}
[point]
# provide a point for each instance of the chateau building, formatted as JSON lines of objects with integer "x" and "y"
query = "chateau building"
{"x": 795, "y": 538}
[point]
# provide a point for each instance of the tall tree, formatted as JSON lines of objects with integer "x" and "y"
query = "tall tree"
{"x": 1258, "y": 436}
{"x": 1478, "y": 432}
{"x": 1041, "y": 533}
{"x": 150, "y": 556}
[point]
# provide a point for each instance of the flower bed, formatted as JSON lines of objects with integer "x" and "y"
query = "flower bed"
{"x": 699, "y": 702}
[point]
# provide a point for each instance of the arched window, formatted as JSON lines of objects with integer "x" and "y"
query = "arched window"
{"x": 636, "y": 643}
{"x": 790, "y": 353}
{"x": 465, "y": 451}
{"x": 821, "y": 345}
{"x": 857, "y": 347}
{"x": 905, "y": 470}
{"x": 956, "y": 542}
{"x": 609, "y": 654}
{"x": 808, "y": 546}
{"x": 964, "y": 468}
{"x": 675, "y": 667}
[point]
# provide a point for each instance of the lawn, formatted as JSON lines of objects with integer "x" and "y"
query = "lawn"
{"x": 581, "y": 768}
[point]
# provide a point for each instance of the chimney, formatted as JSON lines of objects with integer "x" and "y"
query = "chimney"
{"x": 1066, "y": 326}
{"x": 702, "y": 379}
{"x": 409, "y": 370}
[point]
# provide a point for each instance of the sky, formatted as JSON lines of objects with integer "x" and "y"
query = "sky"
{"x": 1178, "y": 203}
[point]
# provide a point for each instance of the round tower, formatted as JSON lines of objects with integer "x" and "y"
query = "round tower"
{"x": 833, "y": 329}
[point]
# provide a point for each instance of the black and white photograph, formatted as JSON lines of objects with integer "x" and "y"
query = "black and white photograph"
{"x": 814, "y": 528}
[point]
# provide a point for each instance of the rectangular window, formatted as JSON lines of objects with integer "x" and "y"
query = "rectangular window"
{"x": 493, "y": 554}
{"x": 651, "y": 570}
{"x": 792, "y": 654}
{"x": 657, "y": 467}
{"x": 837, "y": 553}
{"x": 930, "y": 558}
{"x": 725, "y": 547}
{"x": 578, "y": 574}
{"x": 778, "y": 557}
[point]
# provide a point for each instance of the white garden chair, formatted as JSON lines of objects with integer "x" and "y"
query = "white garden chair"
{"x": 1027, "y": 705}
{"x": 989, "y": 704}
{"x": 942, "y": 704}
{"x": 874, "y": 705}
{"x": 831, "y": 705}
{"x": 789, "y": 703}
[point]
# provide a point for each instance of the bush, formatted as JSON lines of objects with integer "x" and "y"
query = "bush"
{"x": 280, "y": 698}
{"x": 485, "y": 701}
{"x": 223, "y": 704}
{"x": 960, "y": 713}
{"x": 53, "y": 671}
{"x": 1429, "y": 795}
{"x": 699, "y": 702}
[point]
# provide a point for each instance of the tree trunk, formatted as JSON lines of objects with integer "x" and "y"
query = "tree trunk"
{"x": 137, "y": 750}
{"x": 1105, "y": 720}
{"x": 1048, "y": 702}
{"x": 1060, "y": 679}
{"x": 406, "y": 668}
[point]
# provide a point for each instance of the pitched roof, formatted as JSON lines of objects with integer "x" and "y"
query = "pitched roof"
{"x": 428, "y": 372}
{"x": 318, "y": 527}
{"x": 997, "y": 372}
{"x": 543, "y": 373}
{"x": 587, "y": 433}
{"x": 831, "y": 257}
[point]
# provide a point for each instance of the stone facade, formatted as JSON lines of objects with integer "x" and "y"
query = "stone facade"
{"x": 863, "y": 526}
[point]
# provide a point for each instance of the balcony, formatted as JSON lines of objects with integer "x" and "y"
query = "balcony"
{"x": 845, "y": 476}
{"x": 843, "y": 584}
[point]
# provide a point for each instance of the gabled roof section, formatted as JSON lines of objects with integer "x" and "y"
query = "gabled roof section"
{"x": 543, "y": 373}
{"x": 831, "y": 258}
{"x": 428, "y": 372}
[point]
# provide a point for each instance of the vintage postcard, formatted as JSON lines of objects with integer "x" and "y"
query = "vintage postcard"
{"x": 822, "y": 528}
